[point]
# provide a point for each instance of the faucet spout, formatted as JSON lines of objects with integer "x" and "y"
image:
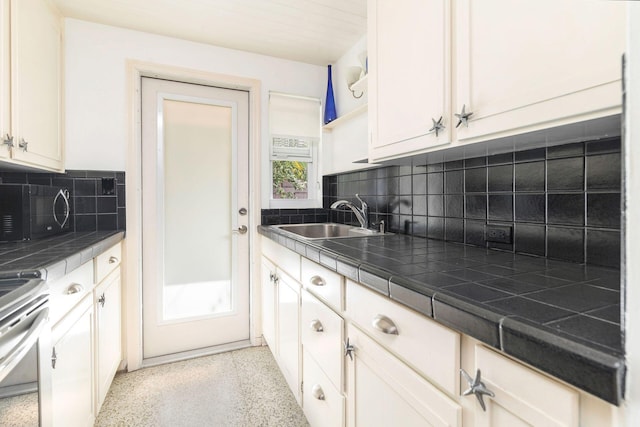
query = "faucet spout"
{"x": 361, "y": 213}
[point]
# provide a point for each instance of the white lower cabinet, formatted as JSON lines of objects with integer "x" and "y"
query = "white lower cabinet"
{"x": 322, "y": 402}
{"x": 522, "y": 396}
{"x": 383, "y": 391}
{"x": 288, "y": 332}
{"x": 72, "y": 363}
{"x": 400, "y": 368}
{"x": 107, "y": 297}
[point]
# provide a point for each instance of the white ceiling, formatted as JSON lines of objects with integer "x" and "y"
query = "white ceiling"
{"x": 312, "y": 31}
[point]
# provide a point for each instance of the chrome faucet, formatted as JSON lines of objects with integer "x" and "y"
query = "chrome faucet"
{"x": 362, "y": 213}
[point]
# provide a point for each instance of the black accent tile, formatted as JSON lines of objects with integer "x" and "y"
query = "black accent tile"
{"x": 436, "y": 280}
{"x": 500, "y": 178}
{"x": 530, "y": 239}
{"x": 565, "y": 174}
{"x": 454, "y": 230}
{"x": 529, "y": 176}
{"x": 107, "y": 205}
{"x": 529, "y": 309}
{"x": 611, "y": 314}
{"x": 86, "y": 222}
{"x": 579, "y": 297}
{"x": 435, "y": 228}
{"x": 405, "y": 185}
{"x": 604, "y": 172}
{"x": 530, "y": 155}
{"x": 454, "y": 206}
{"x": 435, "y": 183}
{"x": 511, "y": 286}
{"x": 500, "y": 207}
{"x": 420, "y": 205}
{"x": 420, "y": 184}
{"x": 107, "y": 222}
{"x": 603, "y": 248}
{"x": 435, "y": 205}
{"x": 476, "y": 207}
{"x": 345, "y": 267}
{"x": 474, "y": 233}
{"x": 419, "y": 226}
{"x": 598, "y": 373}
{"x": 375, "y": 279}
{"x": 469, "y": 275}
{"x": 565, "y": 209}
{"x": 604, "y": 146}
{"x": 601, "y": 332}
{"x": 565, "y": 243}
{"x": 403, "y": 291}
{"x": 84, "y": 187}
{"x": 498, "y": 159}
{"x": 542, "y": 280}
{"x": 454, "y": 182}
{"x": 566, "y": 150}
{"x": 603, "y": 210}
{"x": 456, "y": 164}
{"x": 475, "y": 180}
{"x": 84, "y": 205}
{"x": 476, "y": 292}
{"x": 475, "y": 162}
{"x": 530, "y": 207}
{"x": 470, "y": 319}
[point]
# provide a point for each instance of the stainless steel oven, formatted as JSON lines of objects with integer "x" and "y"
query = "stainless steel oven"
{"x": 25, "y": 352}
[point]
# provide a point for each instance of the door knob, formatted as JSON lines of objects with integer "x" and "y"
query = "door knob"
{"x": 242, "y": 211}
{"x": 242, "y": 230}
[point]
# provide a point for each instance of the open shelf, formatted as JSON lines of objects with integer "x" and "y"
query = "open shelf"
{"x": 345, "y": 118}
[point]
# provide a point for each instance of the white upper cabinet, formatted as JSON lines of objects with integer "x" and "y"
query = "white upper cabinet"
{"x": 30, "y": 118}
{"x": 525, "y": 65}
{"x": 409, "y": 69}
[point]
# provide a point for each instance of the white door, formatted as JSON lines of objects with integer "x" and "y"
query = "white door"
{"x": 195, "y": 246}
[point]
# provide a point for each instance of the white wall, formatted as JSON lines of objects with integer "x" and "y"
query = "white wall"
{"x": 347, "y": 142}
{"x": 95, "y": 84}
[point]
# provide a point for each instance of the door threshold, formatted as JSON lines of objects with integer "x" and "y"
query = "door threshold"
{"x": 191, "y": 354}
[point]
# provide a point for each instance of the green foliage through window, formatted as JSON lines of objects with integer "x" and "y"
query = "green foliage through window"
{"x": 289, "y": 179}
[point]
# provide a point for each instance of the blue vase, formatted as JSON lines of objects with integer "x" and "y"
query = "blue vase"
{"x": 330, "y": 104}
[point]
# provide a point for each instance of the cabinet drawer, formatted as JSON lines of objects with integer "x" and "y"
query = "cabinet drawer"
{"x": 107, "y": 261}
{"x": 324, "y": 283}
{"x": 428, "y": 347}
{"x": 67, "y": 291}
{"x": 284, "y": 258}
{"x": 322, "y": 335}
{"x": 323, "y": 404}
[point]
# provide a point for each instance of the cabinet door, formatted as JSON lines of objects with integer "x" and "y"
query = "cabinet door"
{"x": 409, "y": 68}
{"x": 523, "y": 397}
{"x": 323, "y": 403}
{"x": 525, "y": 65}
{"x": 72, "y": 382}
{"x": 107, "y": 300}
{"x": 268, "y": 274}
{"x": 36, "y": 76}
{"x": 383, "y": 391}
{"x": 288, "y": 331}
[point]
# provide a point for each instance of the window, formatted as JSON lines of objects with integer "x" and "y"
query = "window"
{"x": 295, "y": 126}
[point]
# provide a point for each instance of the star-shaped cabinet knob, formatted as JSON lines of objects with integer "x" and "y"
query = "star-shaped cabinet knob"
{"x": 477, "y": 387}
{"x": 437, "y": 126}
{"x": 463, "y": 117}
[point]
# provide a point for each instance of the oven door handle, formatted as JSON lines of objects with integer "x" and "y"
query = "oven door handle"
{"x": 15, "y": 355}
{"x": 65, "y": 198}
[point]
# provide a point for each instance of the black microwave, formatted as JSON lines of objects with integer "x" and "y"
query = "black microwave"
{"x": 29, "y": 211}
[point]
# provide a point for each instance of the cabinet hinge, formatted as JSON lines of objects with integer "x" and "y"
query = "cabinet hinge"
{"x": 301, "y": 386}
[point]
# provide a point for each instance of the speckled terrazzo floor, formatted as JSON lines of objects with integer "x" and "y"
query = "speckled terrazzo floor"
{"x": 242, "y": 388}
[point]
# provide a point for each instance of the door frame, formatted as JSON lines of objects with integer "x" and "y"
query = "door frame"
{"x": 132, "y": 291}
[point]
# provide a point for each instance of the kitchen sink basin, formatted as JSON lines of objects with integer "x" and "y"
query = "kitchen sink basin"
{"x": 327, "y": 231}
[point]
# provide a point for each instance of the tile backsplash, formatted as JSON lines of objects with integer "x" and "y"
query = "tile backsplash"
{"x": 97, "y": 197}
{"x": 560, "y": 202}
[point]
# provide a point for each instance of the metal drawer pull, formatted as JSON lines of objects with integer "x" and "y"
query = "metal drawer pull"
{"x": 477, "y": 387}
{"x": 113, "y": 260}
{"x": 316, "y": 325}
{"x": 74, "y": 288}
{"x": 384, "y": 324}
{"x": 317, "y": 392}
{"x": 317, "y": 281}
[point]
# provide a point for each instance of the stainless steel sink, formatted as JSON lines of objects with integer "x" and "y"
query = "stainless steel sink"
{"x": 327, "y": 231}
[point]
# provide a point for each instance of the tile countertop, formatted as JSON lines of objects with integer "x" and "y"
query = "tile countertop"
{"x": 55, "y": 256}
{"x": 559, "y": 317}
